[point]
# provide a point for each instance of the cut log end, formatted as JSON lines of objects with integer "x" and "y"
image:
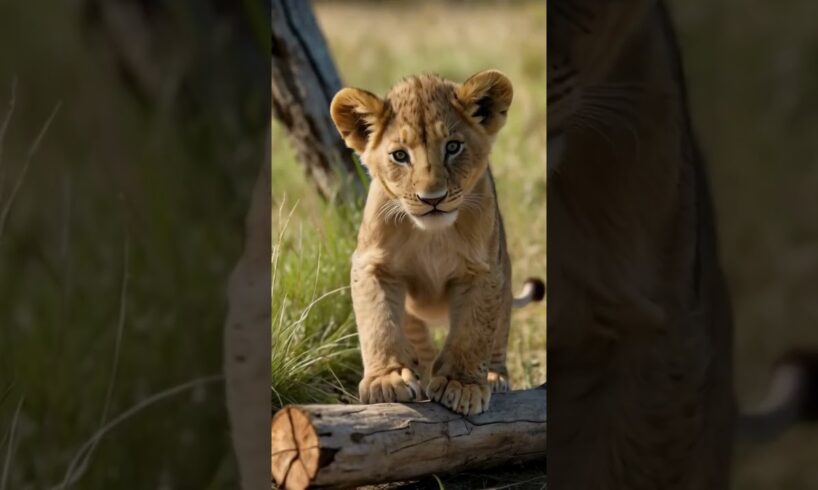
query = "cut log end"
{"x": 295, "y": 449}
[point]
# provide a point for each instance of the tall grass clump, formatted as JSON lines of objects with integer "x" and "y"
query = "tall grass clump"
{"x": 314, "y": 344}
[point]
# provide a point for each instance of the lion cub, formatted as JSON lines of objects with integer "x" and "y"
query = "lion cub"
{"x": 431, "y": 247}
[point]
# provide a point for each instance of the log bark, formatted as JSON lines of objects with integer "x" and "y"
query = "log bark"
{"x": 348, "y": 445}
{"x": 304, "y": 80}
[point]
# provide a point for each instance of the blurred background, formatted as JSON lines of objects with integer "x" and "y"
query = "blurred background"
{"x": 119, "y": 224}
{"x": 752, "y": 68}
{"x": 118, "y": 234}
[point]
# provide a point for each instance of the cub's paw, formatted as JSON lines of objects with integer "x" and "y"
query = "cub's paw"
{"x": 397, "y": 385}
{"x": 498, "y": 381}
{"x": 464, "y": 398}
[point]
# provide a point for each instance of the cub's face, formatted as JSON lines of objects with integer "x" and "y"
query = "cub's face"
{"x": 585, "y": 40}
{"x": 427, "y": 142}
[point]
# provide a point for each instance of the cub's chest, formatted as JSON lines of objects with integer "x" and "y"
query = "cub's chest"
{"x": 427, "y": 275}
{"x": 429, "y": 263}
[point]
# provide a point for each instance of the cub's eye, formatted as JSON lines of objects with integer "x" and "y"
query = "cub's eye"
{"x": 453, "y": 148}
{"x": 399, "y": 156}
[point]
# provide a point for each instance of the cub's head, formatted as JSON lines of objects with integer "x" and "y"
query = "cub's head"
{"x": 428, "y": 141}
{"x": 587, "y": 40}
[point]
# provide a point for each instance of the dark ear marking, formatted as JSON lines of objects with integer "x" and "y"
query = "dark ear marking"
{"x": 485, "y": 99}
{"x": 483, "y": 109}
{"x": 362, "y": 129}
{"x": 355, "y": 113}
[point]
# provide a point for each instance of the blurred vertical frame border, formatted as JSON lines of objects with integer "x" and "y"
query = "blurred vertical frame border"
{"x": 134, "y": 205}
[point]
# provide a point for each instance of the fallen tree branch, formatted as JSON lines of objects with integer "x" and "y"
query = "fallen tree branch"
{"x": 348, "y": 445}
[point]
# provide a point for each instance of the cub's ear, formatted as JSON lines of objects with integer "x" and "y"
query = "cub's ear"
{"x": 486, "y": 97}
{"x": 356, "y": 113}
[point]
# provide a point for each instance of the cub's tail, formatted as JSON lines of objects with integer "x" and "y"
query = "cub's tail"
{"x": 533, "y": 290}
{"x": 792, "y": 397}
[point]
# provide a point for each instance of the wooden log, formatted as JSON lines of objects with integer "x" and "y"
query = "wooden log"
{"x": 348, "y": 445}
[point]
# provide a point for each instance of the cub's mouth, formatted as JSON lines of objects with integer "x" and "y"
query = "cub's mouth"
{"x": 437, "y": 212}
{"x": 435, "y": 219}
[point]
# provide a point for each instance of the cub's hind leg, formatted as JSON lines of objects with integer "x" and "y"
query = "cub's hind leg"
{"x": 498, "y": 372}
{"x": 417, "y": 333}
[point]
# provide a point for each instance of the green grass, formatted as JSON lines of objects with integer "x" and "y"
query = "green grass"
{"x": 448, "y": 39}
{"x": 314, "y": 351}
{"x": 93, "y": 321}
{"x": 88, "y": 331}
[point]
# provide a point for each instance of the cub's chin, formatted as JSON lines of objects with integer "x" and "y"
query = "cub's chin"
{"x": 435, "y": 220}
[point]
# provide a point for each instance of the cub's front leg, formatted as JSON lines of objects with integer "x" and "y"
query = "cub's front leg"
{"x": 459, "y": 374}
{"x": 389, "y": 363}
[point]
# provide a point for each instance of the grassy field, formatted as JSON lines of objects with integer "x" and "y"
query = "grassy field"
{"x": 755, "y": 106}
{"x": 316, "y": 242}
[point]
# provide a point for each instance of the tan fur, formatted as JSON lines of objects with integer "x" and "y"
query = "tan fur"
{"x": 640, "y": 329}
{"x": 410, "y": 271}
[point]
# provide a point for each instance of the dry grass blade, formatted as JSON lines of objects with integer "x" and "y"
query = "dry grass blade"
{"x": 72, "y": 475}
{"x": 19, "y": 182}
{"x": 10, "y": 449}
{"x": 123, "y": 293}
{"x": 7, "y": 118}
{"x": 3, "y": 128}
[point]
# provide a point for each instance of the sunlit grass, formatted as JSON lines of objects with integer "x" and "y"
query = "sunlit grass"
{"x": 314, "y": 344}
{"x": 452, "y": 40}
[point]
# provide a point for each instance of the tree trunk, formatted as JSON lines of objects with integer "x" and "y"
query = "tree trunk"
{"x": 304, "y": 80}
{"x": 348, "y": 445}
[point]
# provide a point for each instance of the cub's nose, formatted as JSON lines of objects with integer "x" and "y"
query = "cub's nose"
{"x": 433, "y": 198}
